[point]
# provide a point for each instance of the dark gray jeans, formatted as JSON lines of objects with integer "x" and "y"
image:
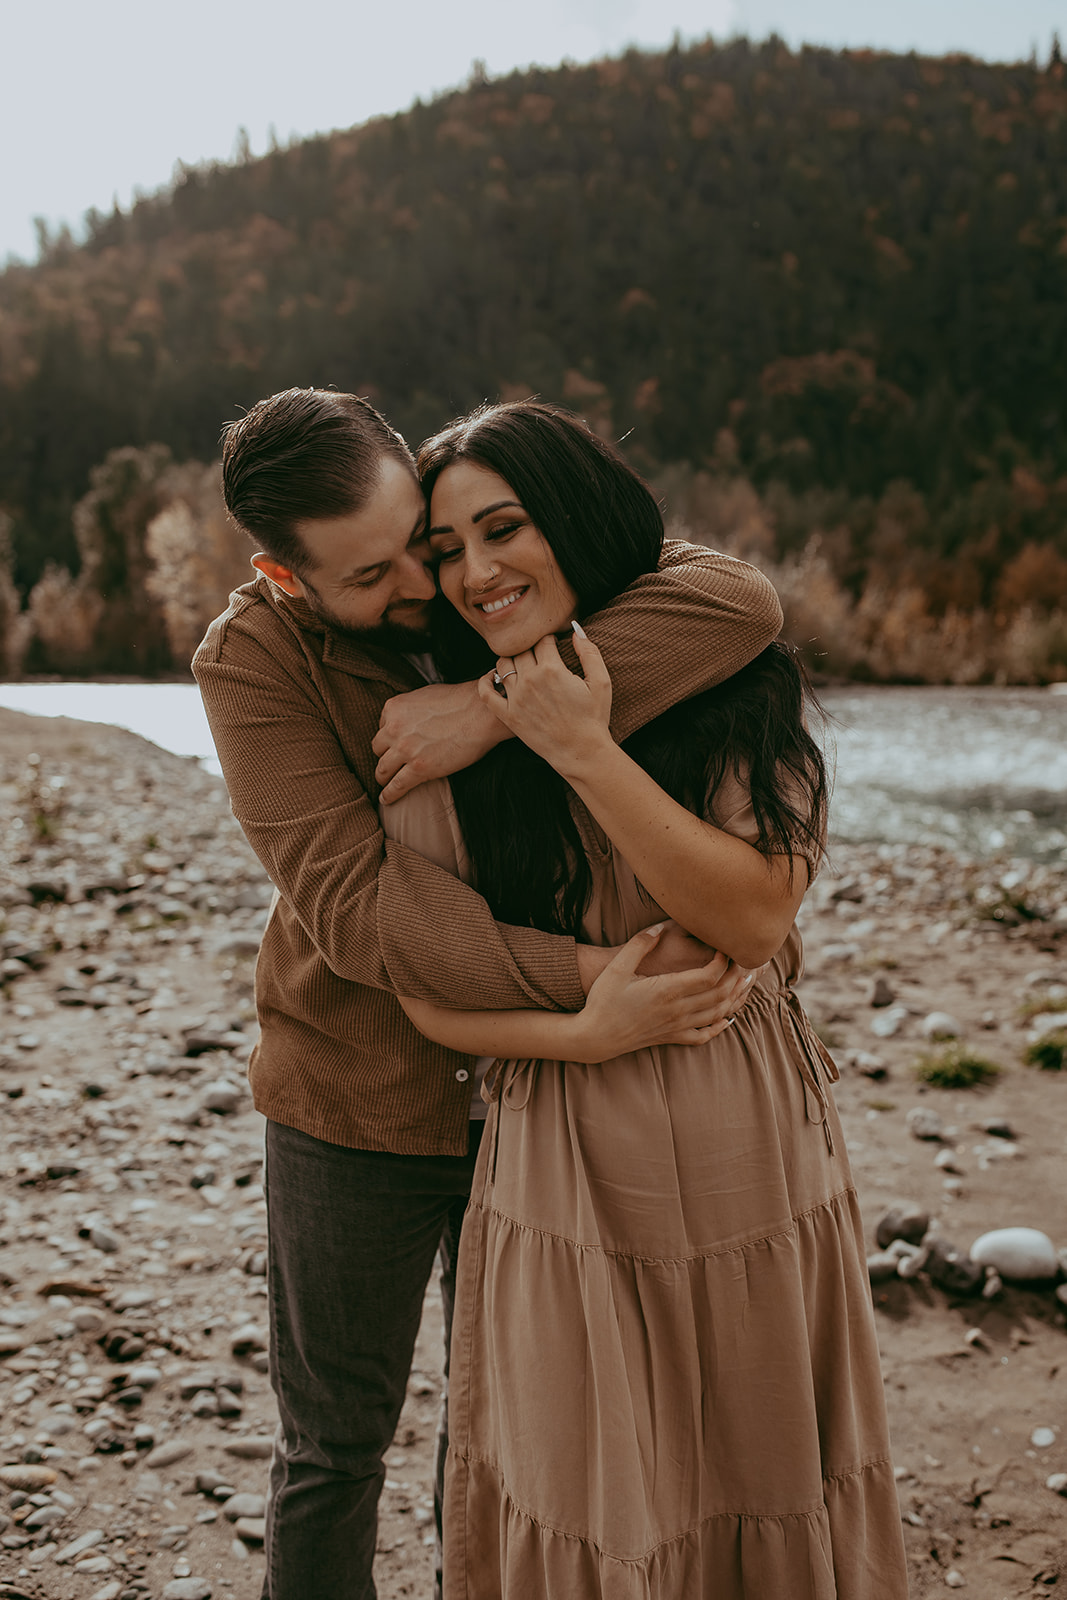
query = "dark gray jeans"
{"x": 352, "y": 1238}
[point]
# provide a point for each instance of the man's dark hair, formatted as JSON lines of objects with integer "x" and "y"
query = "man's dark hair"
{"x": 301, "y": 456}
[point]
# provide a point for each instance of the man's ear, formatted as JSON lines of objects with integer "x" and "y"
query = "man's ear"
{"x": 282, "y": 576}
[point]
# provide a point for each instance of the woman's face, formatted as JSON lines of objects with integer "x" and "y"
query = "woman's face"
{"x": 494, "y": 565}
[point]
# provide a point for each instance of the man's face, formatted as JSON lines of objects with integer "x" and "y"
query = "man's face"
{"x": 368, "y": 574}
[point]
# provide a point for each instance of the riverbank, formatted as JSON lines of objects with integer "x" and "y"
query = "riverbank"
{"x": 131, "y": 1187}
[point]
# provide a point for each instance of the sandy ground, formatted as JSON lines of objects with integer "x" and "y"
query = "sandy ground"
{"x": 132, "y": 1296}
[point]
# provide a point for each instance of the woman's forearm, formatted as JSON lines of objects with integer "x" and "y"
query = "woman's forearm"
{"x": 548, "y": 1035}
{"x": 721, "y": 889}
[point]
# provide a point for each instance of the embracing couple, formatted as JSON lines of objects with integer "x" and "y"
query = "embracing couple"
{"x": 537, "y": 793}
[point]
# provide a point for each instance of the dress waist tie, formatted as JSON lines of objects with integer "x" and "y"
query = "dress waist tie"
{"x": 511, "y": 1083}
{"x": 814, "y": 1062}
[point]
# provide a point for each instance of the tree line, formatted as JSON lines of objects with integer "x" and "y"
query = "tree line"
{"x": 825, "y": 289}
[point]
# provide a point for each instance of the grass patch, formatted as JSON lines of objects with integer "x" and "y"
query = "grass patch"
{"x": 955, "y": 1067}
{"x": 1048, "y": 1053}
{"x": 880, "y": 1105}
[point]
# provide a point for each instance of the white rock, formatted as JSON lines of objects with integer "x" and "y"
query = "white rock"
{"x": 1018, "y": 1254}
{"x": 889, "y": 1022}
{"x": 954, "y": 1579}
{"x": 1057, "y": 1483}
{"x": 1043, "y": 1438}
{"x": 940, "y": 1025}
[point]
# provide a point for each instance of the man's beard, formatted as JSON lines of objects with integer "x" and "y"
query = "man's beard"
{"x": 385, "y": 635}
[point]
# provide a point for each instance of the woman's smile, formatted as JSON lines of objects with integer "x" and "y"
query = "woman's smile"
{"x": 493, "y": 564}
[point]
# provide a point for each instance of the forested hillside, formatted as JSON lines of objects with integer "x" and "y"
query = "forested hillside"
{"x": 823, "y": 297}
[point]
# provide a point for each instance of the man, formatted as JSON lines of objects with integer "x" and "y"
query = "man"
{"x": 370, "y": 1143}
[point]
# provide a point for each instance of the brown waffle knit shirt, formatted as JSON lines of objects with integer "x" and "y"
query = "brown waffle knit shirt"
{"x": 356, "y": 920}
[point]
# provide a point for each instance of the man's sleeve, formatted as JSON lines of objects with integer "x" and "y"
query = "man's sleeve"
{"x": 674, "y": 632}
{"x": 317, "y": 833}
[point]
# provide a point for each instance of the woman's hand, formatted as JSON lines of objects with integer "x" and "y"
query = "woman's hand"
{"x": 625, "y": 1011}
{"x": 537, "y": 698}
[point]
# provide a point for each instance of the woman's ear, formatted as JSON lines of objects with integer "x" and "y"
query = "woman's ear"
{"x": 284, "y": 577}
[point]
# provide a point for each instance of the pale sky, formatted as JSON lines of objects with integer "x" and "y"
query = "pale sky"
{"x": 102, "y": 97}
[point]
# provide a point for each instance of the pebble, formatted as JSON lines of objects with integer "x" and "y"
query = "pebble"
{"x": 166, "y": 1455}
{"x": 251, "y": 1529}
{"x": 998, "y": 1128}
{"x": 1057, "y": 1483}
{"x": 247, "y": 1339}
{"x": 1043, "y": 1438}
{"x": 86, "y": 1542}
{"x": 882, "y": 992}
{"x": 940, "y": 1025}
{"x": 244, "y": 1505}
{"x": 28, "y": 1478}
{"x": 922, "y": 1123}
{"x": 87, "y": 1319}
{"x": 881, "y": 1267}
{"x": 952, "y": 1270}
{"x": 1020, "y": 1255}
{"x": 187, "y": 1589}
{"x": 222, "y": 1098}
{"x": 110, "y": 1591}
{"x": 888, "y": 1023}
{"x": 954, "y": 1579}
{"x": 906, "y": 1221}
{"x": 255, "y": 1448}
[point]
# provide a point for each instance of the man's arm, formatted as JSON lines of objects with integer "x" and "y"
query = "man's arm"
{"x": 382, "y": 917}
{"x": 697, "y": 620}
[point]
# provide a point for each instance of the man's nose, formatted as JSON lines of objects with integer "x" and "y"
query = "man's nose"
{"x": 416, "y": 579}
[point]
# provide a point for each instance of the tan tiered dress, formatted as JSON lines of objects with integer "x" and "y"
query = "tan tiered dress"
{"x": 665, "y": 1376}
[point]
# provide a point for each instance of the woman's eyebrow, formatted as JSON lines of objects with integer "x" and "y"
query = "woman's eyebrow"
{"x": 486, "y": 511}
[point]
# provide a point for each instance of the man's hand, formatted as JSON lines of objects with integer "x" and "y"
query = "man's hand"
{"x": 431, "y": 733}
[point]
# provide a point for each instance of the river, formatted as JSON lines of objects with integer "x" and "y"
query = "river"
{"x": 983, "y": 771}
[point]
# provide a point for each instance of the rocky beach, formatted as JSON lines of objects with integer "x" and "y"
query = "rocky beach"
{"x": 135, "y": 1407}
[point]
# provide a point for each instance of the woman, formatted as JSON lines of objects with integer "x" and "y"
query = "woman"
{"x": 665, "y": 1375}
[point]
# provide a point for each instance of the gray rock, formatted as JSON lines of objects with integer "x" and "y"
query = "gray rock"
{"x": 44, "y": 1516}
{"x": 103, "y": 1238}
{"x": 256, "y": 1448}
{"x": 923, "y": 1123}
{"x": 222, "y": 1098}
{"x": 210, "y": 1481}
{"x": 1020, "y": 1255}
{"x": 888, "y": 1023}
{"x": 1057, "y": 1483}
{"x": 187, "y": 1589}
{"x": 952, "y": 1270}
{"x": 204, "y": 1404}
{"x": 882, "y": 992}
{"x": 940, "y": 1025}
{"x": 1043, "y": 1438}
{"x": 253, "y": 1530}
{"x": 87, "y": 1319}
{"x": 247, "y": 1339}
{"x": 998, "y": 1128}
{"x": 166, "y": 1455}
{"x": 244, "y": 1505}
{"x": 881, "y": 1267}
{"x": 70, "y": 1552}
{"x": 144, "y": 1375}
{"x": 907, "y": 1221}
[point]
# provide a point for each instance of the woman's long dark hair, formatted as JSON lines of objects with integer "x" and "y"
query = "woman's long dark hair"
{"x": 605, "y": 529}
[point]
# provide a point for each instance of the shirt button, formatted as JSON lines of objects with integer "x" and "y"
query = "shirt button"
{"x": 462, "y": 1075}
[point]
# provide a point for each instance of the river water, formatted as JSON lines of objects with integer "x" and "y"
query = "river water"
{"x": 983, "y": 771}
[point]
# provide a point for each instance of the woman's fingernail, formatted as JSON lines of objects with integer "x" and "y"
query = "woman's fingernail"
{"x": 579, "y": 630}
